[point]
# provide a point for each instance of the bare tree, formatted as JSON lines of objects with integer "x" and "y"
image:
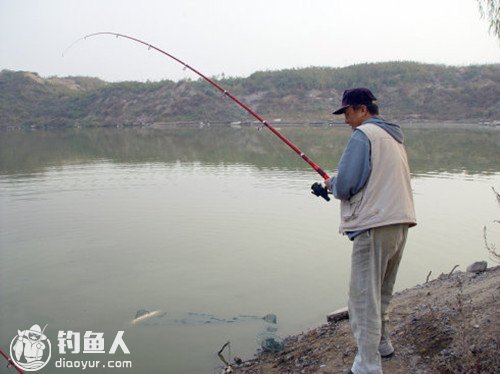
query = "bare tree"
{"x": 490, "y": 9}
{"x": 490, "y": 247}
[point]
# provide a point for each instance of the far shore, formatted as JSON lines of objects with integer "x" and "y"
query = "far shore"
{"x": 407, "y": 124}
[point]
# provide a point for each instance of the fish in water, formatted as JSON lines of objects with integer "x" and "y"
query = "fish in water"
{"x": 143, "y": 314}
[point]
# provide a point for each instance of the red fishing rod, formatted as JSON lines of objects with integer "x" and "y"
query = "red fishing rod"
{"x": 11, "y": 363}
{"x": 317, "y": 188}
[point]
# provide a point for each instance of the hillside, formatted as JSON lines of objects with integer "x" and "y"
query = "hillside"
{"x": 407, "y": 91}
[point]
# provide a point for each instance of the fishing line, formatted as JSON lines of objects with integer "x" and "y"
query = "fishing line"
{"x": 317, "y": 188}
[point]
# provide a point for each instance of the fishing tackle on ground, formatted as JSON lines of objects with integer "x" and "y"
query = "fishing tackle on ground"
{"x": 317, "y": 188}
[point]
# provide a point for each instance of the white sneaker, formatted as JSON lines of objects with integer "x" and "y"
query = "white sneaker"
{"x": 385, "y": 348}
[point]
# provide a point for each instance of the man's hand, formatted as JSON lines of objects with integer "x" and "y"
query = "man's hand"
{"x": 328, "y": 183}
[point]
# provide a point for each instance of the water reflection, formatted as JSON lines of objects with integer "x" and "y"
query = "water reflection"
{"x": 429, "y": 150}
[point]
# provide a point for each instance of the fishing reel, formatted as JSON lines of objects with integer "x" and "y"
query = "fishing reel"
{"x": 319, "y": 190}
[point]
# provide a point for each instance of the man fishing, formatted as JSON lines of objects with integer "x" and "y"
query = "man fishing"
{"x": 376, "y": 207}
{"x": 373, "y": 184}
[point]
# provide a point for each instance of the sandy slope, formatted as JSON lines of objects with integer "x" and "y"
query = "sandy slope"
{"x": 448, "y": 325}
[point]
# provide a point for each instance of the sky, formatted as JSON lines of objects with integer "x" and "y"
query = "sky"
{"x": 236, "y": 37}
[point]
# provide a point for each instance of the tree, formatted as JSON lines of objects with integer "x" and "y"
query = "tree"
{"x": 490, "y": 9}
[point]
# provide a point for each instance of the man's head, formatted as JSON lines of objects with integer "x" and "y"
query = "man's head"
{"x": 357, "y": 106}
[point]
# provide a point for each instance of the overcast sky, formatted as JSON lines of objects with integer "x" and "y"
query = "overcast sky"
{"x": 237, "y": 37}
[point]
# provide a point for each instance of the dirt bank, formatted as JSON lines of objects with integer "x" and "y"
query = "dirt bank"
{"x": 448, "y": 325}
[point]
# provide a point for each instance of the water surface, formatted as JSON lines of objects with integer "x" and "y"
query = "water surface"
{"x": 209, "y": 225}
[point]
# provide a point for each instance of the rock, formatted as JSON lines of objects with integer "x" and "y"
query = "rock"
{"x": 237, "y": 360}
{"x": 338, "y": 315}
{"x": 446, "y": 352}
{"x": 477, "y": 267}
{"x": 272, "y": 344}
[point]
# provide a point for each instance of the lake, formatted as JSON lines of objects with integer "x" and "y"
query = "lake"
{"x": 213, "y": 227}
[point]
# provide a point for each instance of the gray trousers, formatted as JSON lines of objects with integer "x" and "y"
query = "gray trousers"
{"x": 374, "y": 264}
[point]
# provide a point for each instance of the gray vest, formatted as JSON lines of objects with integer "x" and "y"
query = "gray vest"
{"x": 386, "y": 198}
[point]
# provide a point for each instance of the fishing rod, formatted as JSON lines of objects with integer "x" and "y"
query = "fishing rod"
{"x": 317, "y": 188}
{"x": 10, "y": 362}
